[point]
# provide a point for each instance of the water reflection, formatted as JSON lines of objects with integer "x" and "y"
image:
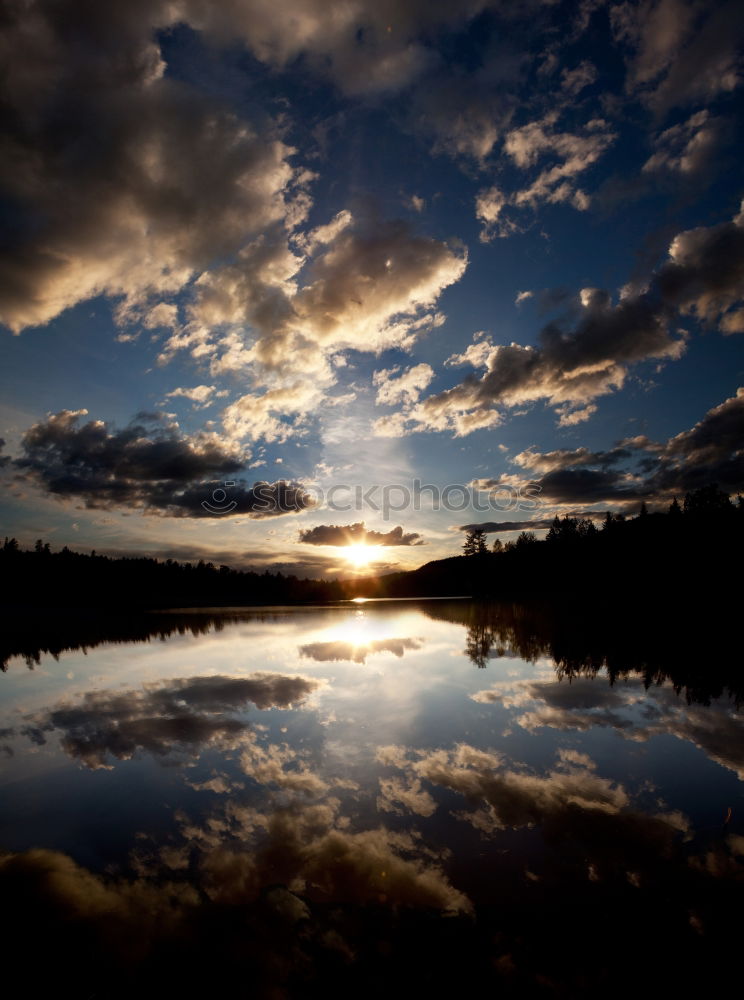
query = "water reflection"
{"x": 168, "y": 720}
{"x": 240, "y": 803}
{"x": 699, "y": 657}
{"x": 323, "y": 652}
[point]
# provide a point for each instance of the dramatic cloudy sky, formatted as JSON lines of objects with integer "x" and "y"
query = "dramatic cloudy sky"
{"x": 254, "y": 251}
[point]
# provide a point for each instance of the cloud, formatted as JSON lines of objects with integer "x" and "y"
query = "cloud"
{"x": 526, "y": 145}
{"x": 568, "y": 369}
{"x": 357, "y": 534}
{"x": 398, "y": 797}
{"x": 148, "y": 449}
{"x": 170, "y": 719}
{"x": 373, "y": 286}
{"x": 538, "y": 524}
{"x": 373, "y": 46}
{"x": 407, "y": 387}
{"x": 117, "y": 929}
{"x": 465, "y": 116}
{"x": 710, "y": 451}
{"x": 148, "y": 465}
{"x": 705, "y": 270}
{"x": 278, "y": 766}
{"x": 568, "y": 417}
{"x": 585, "y": 486}
{"x": 573, "y": 81}
{"x": 686, "y": 148}
{"x": 589, "y": 702}
{"x": 562, "y": 458}
{"x": 117, "y": 920}
{"x": 366, "y": 284}
{"x": 304, "y": 844}
{"x": 200, "y": 395}
{"x": 166, "y": 191}
{"x": 489, "y": 208}
{"x": 570, "y": 802}
{"x": 336, "y": 651}
{"x": 124, "y": 181}
{"x": 253, "y": 417}
{"x": 518, "y": 798}
{"x": 681, "y": 51}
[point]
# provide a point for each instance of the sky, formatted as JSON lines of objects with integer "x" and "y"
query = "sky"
{"x": 311, "y": 286}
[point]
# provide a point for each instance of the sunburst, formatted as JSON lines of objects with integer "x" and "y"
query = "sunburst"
{"x": 359, "y": 555}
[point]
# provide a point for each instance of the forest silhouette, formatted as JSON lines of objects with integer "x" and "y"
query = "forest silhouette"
{"x": 683, "y": 555}
{"x": 686, "y": 555}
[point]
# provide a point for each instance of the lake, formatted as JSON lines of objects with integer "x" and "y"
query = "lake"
{"x": 399, "y": 797}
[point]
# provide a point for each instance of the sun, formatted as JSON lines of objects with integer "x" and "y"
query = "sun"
{"x": 359, "y": 555}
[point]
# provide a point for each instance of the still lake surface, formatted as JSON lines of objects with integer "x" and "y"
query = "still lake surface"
{"x": 428, "y": 794}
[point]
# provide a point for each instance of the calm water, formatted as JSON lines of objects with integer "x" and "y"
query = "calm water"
{"x": 379, "y": 797}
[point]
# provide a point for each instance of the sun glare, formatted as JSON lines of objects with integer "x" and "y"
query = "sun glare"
{"x": 359, "y": 555}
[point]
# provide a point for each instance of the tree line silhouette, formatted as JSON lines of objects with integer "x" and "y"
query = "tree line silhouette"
{"x": 681, "y": 555}
{"x": 40, "y": 577}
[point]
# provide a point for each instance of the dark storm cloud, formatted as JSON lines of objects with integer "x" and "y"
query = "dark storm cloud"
{"x": 4, "y": 459}
{"x": 168, "y": 719}
{"x": 148, "y": 465}
{"x": 357, "y": 534}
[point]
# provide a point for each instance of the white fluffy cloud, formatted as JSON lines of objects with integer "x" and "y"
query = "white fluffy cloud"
{"x": 365, "y": 285}
{"x": 199, "y": 395}
{"x": 393, "y": 388}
